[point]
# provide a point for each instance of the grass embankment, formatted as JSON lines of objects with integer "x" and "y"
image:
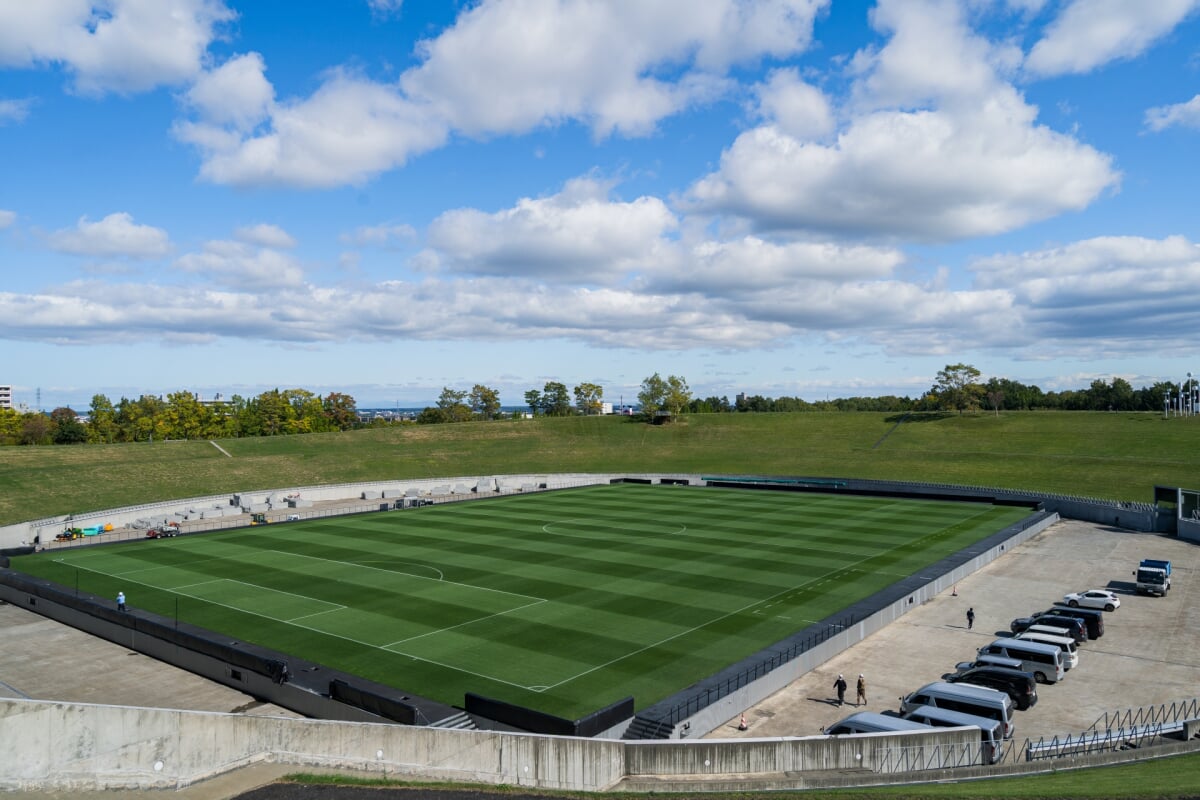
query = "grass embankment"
{"x": 1112, "y": 455}
{"x": 1175, "y": 777}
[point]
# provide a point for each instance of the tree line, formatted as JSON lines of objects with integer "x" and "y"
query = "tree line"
{"x": 181, "y": 415}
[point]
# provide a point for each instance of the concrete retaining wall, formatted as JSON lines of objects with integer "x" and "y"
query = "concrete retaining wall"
{"x": 50, "y": 746}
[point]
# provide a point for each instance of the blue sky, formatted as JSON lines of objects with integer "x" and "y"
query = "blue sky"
{"x": 784, "y": 197}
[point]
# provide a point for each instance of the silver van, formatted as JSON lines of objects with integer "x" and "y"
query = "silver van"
{"x": 871, "y": 722}
{"x": 990, "y": 737}
{"x": 967, "y": 699}
{"x": 1064, "y": 643}
{"x": 1045, "y": 661}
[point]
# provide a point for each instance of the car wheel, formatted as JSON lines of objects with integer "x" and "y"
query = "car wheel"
{"x": 1040, "y": 677}
{"x": 1110, "y": 607}
{"x": 1074, "y": 604}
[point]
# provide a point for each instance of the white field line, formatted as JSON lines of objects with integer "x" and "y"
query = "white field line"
{"x": 321, "y": 632}
{"x": 461, "y": 624}
{"x": 222, "y": 449}
{"x": 418, "y": 577}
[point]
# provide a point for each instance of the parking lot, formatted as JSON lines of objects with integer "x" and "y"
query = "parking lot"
{"x": 1150, "y": 653}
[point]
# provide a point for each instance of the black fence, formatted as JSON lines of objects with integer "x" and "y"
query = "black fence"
{"x": 528, "y": 719}
{"x": 721, "y": 685}
{"x": 378, "y": 704}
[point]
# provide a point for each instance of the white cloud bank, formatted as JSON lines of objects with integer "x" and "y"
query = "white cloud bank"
{"x": 119, "y": 46}
{"x": 1091, "y": 33}
{"x": 1186, "y": 115}
{"x": 618, "y": 69}
{"x": 936, "y": 147}
{"x": 117, "y": 235}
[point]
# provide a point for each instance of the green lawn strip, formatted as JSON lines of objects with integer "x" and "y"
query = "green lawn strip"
{"x": 1118, "y": 455}
{"x": 1173, "y": 778}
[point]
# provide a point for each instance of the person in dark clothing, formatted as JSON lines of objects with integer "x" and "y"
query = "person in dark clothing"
{"x": 840, "y": 685}
{"x": 970, "y": 618}
{"x": 862, "y": 690}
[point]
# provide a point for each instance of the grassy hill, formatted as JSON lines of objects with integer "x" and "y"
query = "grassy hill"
{"x": 1113, "y": 455}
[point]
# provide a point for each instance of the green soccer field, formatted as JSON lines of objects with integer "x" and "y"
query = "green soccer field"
{"x": 563, "y": 602}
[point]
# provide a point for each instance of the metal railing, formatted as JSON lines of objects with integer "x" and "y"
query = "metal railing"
{"x": 1162, "y": 714}
{"x": 915, "y": 758}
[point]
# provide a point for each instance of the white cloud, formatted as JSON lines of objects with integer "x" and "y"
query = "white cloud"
{"x": 7, "y": 218}
{"x": 349, "y": 130}
{"x": 795, "y": 107}
{"x": 494, "y": 72}
{"x": 505, "y": 66}
{"x": 972, "y": 161}
{"x": 1185, "y": 114}
{"x": 1090, "y": 33}
{"x": 265, "y": 235}
{"x": 112, "y": 45}
{"x": 378, "y": 235}
{"x": 241, "y": 266}
{"x": 576, "y": 235}
{"x": 14, "y": 110}
{"x": 385, "y": 8}
{"x": 115, "y": 235}
{"x": 237, "y": 93}
{"x": 1120, "y": 291}
{"x": 751, "y": 264}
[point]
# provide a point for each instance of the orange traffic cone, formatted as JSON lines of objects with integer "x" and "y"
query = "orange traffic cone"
{"x": 742, "y": 725}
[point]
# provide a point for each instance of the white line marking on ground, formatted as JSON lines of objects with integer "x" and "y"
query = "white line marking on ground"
{"x": 418, "y": 577}
{"x": 461, "y": 624}
{"x": 222, "y": 449}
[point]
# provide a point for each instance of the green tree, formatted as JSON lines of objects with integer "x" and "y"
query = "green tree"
{"x": 183, "y": 417}
{"x": 452, "y": 405}
{"x": 275, "y": 413}
{"x": 533, "y": 399}
{"x": 556, "y": 400}
{"x": 484, "y": 401}
{"x": 102, "y": 420}
{"x": 10, "y": 426}
{"x": 35, "y": 428}
{"x": 588, "y": 398}
{"x": 652, "y": 396}
{"x": 678, "y": 395}
{"x": 341, "y": 411}
{"x": 957, "y": 388}
{"x": 65, "y": 427}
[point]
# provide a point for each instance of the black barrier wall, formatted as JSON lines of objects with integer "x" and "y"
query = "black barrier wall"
{"x": 533, "y": 721}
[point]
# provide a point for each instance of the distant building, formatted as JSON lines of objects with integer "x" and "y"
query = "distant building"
{"x": 6, "y": 397}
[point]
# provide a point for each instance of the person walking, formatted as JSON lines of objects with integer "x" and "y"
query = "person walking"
{"x": 862, "y": 691}
{"x": 840, "y": 685}
{"x": 970, "y": 617}
{"x": 120, "y": 601}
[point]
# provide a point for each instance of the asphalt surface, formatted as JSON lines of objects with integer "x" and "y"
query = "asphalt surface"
{"x": 1150, "y": 655}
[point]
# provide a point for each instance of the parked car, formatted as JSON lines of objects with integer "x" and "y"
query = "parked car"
{"x": 1074, "y": 627}
{"x": 1092, "y": 618}
{"x": 1093, "y": 598}
{"x": 1019, "y": 685}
